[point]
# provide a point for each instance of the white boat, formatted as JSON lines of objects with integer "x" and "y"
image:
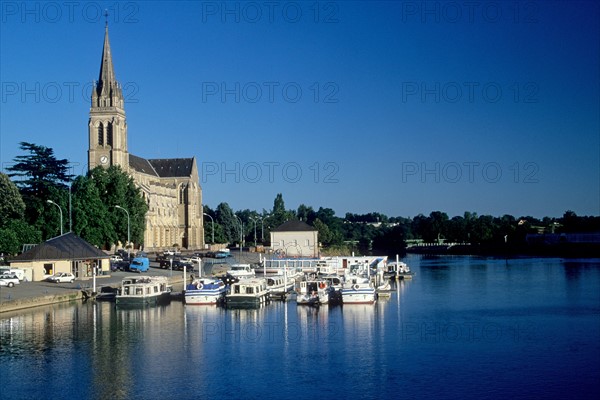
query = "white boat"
{"x": 249, "y": 292}
{"x": 144, "y": 290}
{"x": 358, "y": 289}
{"x": 327, "y": 268}
{"x": 398, "y": 270}
{"x": 313, "y": 292}
{"x": 205, "y": 291}
{"x": 279, "y": 285}
{"x": 241, "y": 271}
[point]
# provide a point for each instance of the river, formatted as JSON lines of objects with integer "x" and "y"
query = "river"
{"x": 464, "y": 327}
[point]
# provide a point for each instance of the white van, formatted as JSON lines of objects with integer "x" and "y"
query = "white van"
{"x": 18, "y": 272}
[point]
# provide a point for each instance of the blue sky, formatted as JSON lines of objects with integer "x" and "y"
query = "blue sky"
{"x": 399, "y": 107}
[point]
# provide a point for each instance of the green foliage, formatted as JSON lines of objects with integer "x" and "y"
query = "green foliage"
{"x": 11, "y": 203}
{"x": 42, "y": 177}
{"x": 327, "y": 236}
{"x": 39, "y": 171}
{"x": 95, "y": 217}
{"x": 16, "y": 233}
{"x": 279, "y": 215}
{"x": 229, "y": 223}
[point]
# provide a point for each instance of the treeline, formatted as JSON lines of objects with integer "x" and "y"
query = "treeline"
{"x": 376, "y": 232}
{"x": 39, "y": 199}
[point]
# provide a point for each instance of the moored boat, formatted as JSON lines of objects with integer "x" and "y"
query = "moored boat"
{"x": 241, "y": 271}
{"x": 313, "y": 292}
{"x": 279, "y": 286}
{"x": 249, "y": 292}
{"x": 358, "y": 289}
{"x": 398, "y": 270}
{"x": 144, "y": 290}
{"x": 205, "y": 291}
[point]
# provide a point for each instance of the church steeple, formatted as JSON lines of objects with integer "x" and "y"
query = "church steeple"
{"x": 107, "y": 91}
{"x": 107, "y": 127}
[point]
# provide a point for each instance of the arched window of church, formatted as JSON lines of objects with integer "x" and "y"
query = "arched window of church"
{"x": 109, "y": 134}
{"x": 101, "y": 134}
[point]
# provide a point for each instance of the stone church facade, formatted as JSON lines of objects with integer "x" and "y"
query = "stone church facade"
{"x": 170, "y": 187}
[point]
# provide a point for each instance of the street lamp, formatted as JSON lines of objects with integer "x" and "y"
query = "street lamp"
{"x": 60, "y": 210}
{"x": 213, "y": 227}
{"x": 254, "y": 220}
{"x": 128, "y": 229}
{"x": 241, "y": 233}
{"x": 262, "y": 228}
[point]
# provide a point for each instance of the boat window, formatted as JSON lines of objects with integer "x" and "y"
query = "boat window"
{"x": 249, "y": 290}
{"x": 236, "y": 289}
{"x": 139, "y": 291}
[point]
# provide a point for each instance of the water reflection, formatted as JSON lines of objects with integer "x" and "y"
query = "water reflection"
{"x": 426, "y": 330}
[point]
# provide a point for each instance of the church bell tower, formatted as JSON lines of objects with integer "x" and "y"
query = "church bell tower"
{"x": 107, "y": 126}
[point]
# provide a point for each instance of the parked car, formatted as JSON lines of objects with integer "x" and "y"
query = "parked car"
{"x": 9, "y": 280}
{"x": 20, "y": 274}
{"x": 61, "y": 277}
{"x": 177, "y": 265}
{"x": 140, "y": 263}
{"x": 115, "y": 258}
{"x": 223, "y": 254}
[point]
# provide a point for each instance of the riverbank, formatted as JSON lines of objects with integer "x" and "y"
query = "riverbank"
{"x": 565, "y": 250}
{"x": 35, "y": 294}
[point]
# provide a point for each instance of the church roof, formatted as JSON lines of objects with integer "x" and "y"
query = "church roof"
{"x": 65, "y": 247}
{"x": 162, "y": 167}
{"x": 294, "y": 226}
{"x": 173, "y": 167}
{"x": 141, "y": 165}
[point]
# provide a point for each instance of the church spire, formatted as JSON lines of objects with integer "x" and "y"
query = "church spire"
{"x": 107, "y": 92}
{"x": 107, "y": 72}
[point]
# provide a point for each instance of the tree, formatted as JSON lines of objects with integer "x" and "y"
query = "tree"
{"x": 439, "y": 221}
{"x": 279, "y": 215}
{"x": 40, "y": 170}
{"x": 11, "y": 203}
{"x": 95, "y": 217}
{"x": 14, "y": 230}
{"x": 231, "y": 226}
{"x": 306, "y": 214}
{"x": 41, "y": 177}
{"x": 15, "y": 234}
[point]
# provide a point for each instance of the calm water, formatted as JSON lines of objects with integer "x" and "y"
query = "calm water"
{"x": 463, "y": 328}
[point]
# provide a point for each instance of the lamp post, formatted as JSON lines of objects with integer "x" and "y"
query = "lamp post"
{"x": 241, "y": 233}
{"x": 262, "y": 228}
{"x": 254, "y": 220}
{"x": 128, "y": 228}
{"x": 213, "y": 227}
{"x": 60, "y": 210}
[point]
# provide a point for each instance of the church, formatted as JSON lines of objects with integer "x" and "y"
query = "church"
{"x": 169, "y": 186}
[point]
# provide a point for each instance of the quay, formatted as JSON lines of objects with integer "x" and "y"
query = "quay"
{"x": 34, "y": 294}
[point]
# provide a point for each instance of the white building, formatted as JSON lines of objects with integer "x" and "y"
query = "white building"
{"x": 295, "y": 239}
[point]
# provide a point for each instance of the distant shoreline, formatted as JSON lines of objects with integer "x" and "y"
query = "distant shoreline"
{"x": 560, "y": 250}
